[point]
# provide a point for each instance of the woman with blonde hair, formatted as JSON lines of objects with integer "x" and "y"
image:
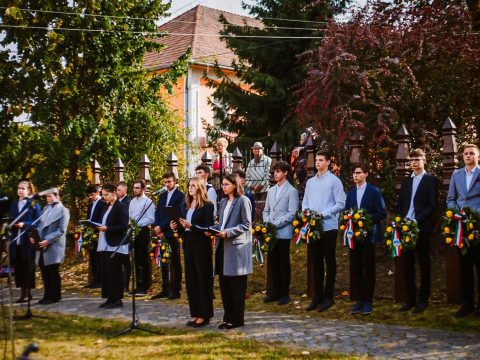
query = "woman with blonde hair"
{"x": 22, "y": 251}
{"x": 197, "y": 217}
{"x": 224, "y": 166}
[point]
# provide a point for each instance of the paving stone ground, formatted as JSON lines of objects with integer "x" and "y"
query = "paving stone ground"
{"x": 376, "y": 340}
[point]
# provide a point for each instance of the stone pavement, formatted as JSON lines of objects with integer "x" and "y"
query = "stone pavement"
{"x": 375, "y": 340}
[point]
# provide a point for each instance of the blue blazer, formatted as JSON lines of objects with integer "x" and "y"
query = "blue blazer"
{"x": 201, "y": 218}
{"x": 161, "y": 219}
{"x": 27, "y": 249}
{"x": 372, "y": 201}
{"x": 458, "y": 194}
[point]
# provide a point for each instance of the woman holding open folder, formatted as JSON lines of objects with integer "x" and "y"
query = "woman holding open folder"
{"x": 197, "y": 218}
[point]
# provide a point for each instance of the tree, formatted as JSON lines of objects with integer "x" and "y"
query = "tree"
{"x": 394, "y": 64}
{"x": 76, "y": 72}
{"x": 261, "y": 103}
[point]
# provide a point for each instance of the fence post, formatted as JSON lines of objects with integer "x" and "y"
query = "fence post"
{"x": 276, "y": 155}
{"x": 237, "y": 160}
{"x": 207, "y": 159}
{"x": 119, "y": 170}
{"x": 172, "y": 164}
{"x": 145, "y": 172}
{"x": 401, "y": 170}
{"x": 310, "y": 163}
{"x": 452, "y": 256}
{"x": 96, "y": 173}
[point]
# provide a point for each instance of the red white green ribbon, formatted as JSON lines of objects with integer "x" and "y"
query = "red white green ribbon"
{"x": 305, "y": 230}
{"x": 79, "y": 244}
{"x": 348, "y": 233}
{"x": 396, "y": 250}
{"x": 258, "y": 251}
{"x": 459, "y": 230}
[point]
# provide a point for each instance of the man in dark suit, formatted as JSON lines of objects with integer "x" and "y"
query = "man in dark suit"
{"x": 171, "y": 285}
{"x": 95, "y": 211}
{"x": 418, "y": 201}
{"x": 124, "y": 199}
{"x": 464, "y": 191}
{"x": 362, "y": 256}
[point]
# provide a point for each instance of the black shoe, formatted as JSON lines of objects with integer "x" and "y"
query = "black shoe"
{"x": 284, "y": 300}
{"x": 325, "y": 305}
{"x": 104, "y": 304}
{"x": 115, "y": 304}
{"x": 204, "y": 323}
{"x": 313, "y": 305}
{"x": 161, "y": 295}
{"x": 48, "y": 302}
{"x": 269, "y": 299}
{"x": 406, "y": 307}
{"x": 233, "y": 326}
{"x": 421, "y": 307}
{"x": 464, "y": 310}
{"x": 191, "y": 322}
{"x": 93, "y": 286}
{"x": 174, "y": 297}
{"x": 223, "y": 325}
{"x": 21, "y": 300}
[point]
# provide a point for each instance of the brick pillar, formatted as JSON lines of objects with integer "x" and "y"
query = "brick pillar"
{"x": 96, "y": 173}
{"x": 172, "y": 164}
{"x": 237, "y": 160}
{"x": 145, "y": 172}
{"x": 119, "y": 170}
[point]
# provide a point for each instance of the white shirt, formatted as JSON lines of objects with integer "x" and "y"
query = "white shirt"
{"x": 169, "y": 196}
{"x": 415, "y": 182}
{"x": 21, "y": 204}
{"x": 469, "y": 177}
{"x": 136, "y": 208}
{"x": 189, "y": 216}
{"x": 102, "y": 240}
{"x": 278, "y": 190}
{"x": 360, "y": 193}
{"x": 93, "y": 206}
{"x": 212, "y": 196}
{"x": 225, "y": 213}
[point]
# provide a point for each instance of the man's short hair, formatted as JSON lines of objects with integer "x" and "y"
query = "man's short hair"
{"x": 142, "y": 183}
{"x": 363, "y": 166}
{"x": 283, "y": 166}
{"x": 240, "y": 173}
{"x": 203, "y": 167}
{"x": 168, "y": 175}
{"x": 417, "y": 153}
{"x": 325, "y": 153}
{"x": 122, "y": 183}
{"x": 91, "y": 189}
{"x": 471, "y": 146}
{"x": 110, "y": 187}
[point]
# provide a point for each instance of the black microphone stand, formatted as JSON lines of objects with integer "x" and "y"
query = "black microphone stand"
{"x": 28, "y": 313}
{"x": 135, "y": 320}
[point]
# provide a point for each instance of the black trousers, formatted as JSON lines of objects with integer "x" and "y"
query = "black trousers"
{"x": 233, "y": 290}
{"x": 142, "y": 260}
{"x": 362, "y": 259}
{"x": 52, "y": 283}
{"x": 24, "y": 271}
{"x": 172, "y": 275}
{"x": 324, "y": 265}
{"x": 112, "y": 275}
{"x": 422, "y": 252}
{"x": 94, "y": 264}
{"x": 468, "y": 261}
{"x": 199, "y": 279}
{"x": 279, "y": 264}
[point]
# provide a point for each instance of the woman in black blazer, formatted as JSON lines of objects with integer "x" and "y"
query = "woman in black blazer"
{"x": 112, "y": 231}
{"x": 198, "y": 215}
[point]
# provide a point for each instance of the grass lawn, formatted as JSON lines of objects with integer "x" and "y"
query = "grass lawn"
{"x": 63, "y": 337}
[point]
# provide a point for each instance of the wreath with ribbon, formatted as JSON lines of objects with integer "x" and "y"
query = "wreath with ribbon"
{"x": 401, "y": 235}
{"x": 461, "y": 228}
{"x": 160, "y": 251}
{"x": 355, "y": 225}
{"x": 307, "y": 226}
{"x": 85, "y": 238}
{"x": 264, "y": 239}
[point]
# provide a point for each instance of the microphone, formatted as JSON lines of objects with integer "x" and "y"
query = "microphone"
{"x": 160, "y": 191}
{"x": 5, "y": 198}
{"x": 45, "y": 192}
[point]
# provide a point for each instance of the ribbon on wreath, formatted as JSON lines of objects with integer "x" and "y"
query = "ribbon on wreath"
{"x": 157, "y": 256}
{"x": 305, "y": 230}
{"x": 348, "y": 233}
{"x": 459, "y": 230}
{"x": 258, "y": 252}
{"x": 396, "y": 250}
{"x": 79, "y": 244}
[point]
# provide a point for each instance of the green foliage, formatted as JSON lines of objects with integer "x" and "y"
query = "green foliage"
{"x": 269, "y": 68}
{"x": 86, "y": 94}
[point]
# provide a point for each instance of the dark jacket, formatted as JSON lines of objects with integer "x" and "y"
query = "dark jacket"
{"x": 117, "y": 224}
{"x": 161, "y": 219}
{"x": 27, "y": 249}
{"x": 425, "y": 202}
{"x": 372, "y": 202}
{"x": 202, "y": 217}
{"x": 98, "y": 212}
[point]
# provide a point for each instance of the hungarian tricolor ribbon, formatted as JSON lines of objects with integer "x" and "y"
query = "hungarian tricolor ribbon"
{"x": 396, "y": 250}
{"x": 79, "y": 244}
{"x": 305, "y": 230}
{"x": 258, "y": 252}
{"x": 157, "y": 256}
{"x": 459, "y": 230}
{"x": 348, "y": 233}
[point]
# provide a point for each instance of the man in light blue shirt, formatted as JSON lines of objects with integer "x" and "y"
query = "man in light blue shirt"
{"x": 324, "y": 194}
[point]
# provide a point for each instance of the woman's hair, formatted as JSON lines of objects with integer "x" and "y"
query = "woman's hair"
{"x": 202, "y": 196}
{"x": 235, "y": 180}
{"x": 223, "y": 141}
{"x": 29, "y": 185}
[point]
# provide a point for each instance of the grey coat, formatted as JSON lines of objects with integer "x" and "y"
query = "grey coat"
{"x": 280, "y": 210}
{"x": 458, "y": 194}
{"x": 53, "y": 228}
{"x": 237, "y": 246}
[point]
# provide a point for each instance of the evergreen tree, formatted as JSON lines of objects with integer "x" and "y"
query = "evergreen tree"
{"x": 268, "y": 65}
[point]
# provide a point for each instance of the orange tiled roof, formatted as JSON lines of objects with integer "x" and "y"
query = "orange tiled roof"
{"x": 205, "y": 49}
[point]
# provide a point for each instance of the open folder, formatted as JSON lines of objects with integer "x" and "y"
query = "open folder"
{"x": 90, "y": 223}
